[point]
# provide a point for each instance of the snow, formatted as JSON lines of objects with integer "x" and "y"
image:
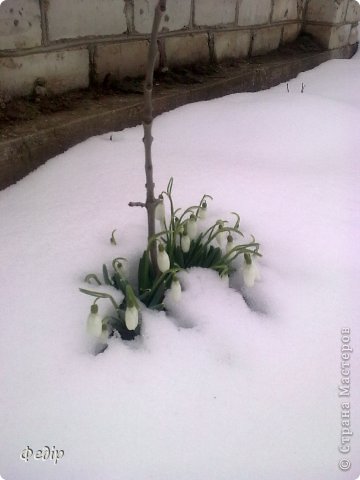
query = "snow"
{"x": 223, "y": 387}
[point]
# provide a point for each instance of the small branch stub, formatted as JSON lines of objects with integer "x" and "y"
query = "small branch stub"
{"x": 137, "y": 204}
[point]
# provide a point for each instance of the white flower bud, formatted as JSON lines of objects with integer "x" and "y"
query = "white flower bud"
{"x": 104, "y": 334}
{"x": 185, "y": 243}
{"x": 160, "y": 211}
{"x": 175, "y": 290}
{"x": 120, "y": 268}
{"x": 221, "y": 236}
{"x": 163, "y": 259}
{"x": 229, "y": 244}
{"x": 202, "y": 211}
{"x": 192, "y": 227}
{"x": 250, "y": 271}
{"x": 94, "y": 322}
{"x": 131, "y": 318}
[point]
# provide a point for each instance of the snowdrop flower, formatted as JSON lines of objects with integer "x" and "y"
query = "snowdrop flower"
{"x": 104, "y": 334}
{"x": 94, "y": 322}
{"x": 120, "y": 268}
{"x": 192, "y": 227}
{"x": 175, "y": 289}
{"x": 250, "y": 271}
{"x": 160, "y": 210}
{"x": 131, "y": 317}
{"x": 163, "y": 259}
{"x": 229, "y": 244}
{"x": 221, "y": 235}
{"x": 180, "y": 231}
{"x": 185, "y": 242}
{"x": 202, "y": 211}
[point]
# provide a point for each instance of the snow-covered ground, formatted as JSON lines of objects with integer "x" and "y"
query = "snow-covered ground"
{"x": 220, "y": 388}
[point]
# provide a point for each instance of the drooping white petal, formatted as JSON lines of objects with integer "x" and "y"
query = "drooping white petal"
{"x": 104, "y": 334}
{"x": 185, "y": 243}
{"x": 192, "y": 228}
{"x": 251, "y": 273}
{"x": 163, "y": 261}
{"x": 131, "y": 318}
{"x": 160, "y": 211}
{"x": 94, "y": 325}
{"x": 220, "y": 237}
{"x": 175, "y": 290}
{"x": 202, "y": 212}
{"x": 121, "y": 268}
{"x": 229, "y": 246}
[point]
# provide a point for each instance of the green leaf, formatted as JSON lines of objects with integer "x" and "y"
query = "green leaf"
{"x": 106, "y": 275}
{"x": 213, "y": 257}
{"x": 130, "y": 296}
{"x": 179, "y": 257}
{"x": 119, "y": 282}
{"x": 145, "y": 275}
{"x": 90, "y": 277}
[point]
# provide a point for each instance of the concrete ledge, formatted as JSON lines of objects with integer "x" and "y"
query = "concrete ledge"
{"x": 18, "y": 73}
{"x": 26, "y": 146}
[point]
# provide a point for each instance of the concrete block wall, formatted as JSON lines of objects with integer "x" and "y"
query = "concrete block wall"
{"x": 333, "y": 23}
{"x": 71, "y": 43}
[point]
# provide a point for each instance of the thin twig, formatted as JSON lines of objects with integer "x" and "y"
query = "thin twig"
{"x": 137, "y": 204}
{"x": 147, "y": 124}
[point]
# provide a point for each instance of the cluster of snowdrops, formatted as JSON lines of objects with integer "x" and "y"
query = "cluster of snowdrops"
{"x": 181, "y": 243}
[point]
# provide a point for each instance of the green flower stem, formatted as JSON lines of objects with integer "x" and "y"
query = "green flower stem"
{"x": 237, "y": 221}
{"x": 212, "y": 236}
{"x": 112, "y": 239}
{"x": 163, "y": 276}
{"x": 188, "y": 210}
{"x": 116, "y": 260}
{"x": 239, "y": 250}
{"x": 224, "y": 229}
{"x": 201, "y": 202}
{"x": 236, "y": 230}
{"x": 172, "y": 213}
{"x": 210, "y": 230}
{"x": 92, "y": 276}
{"x": 100, "y": 295}
{"x": 130, "y": 296}
{"x": 170, "y": 185}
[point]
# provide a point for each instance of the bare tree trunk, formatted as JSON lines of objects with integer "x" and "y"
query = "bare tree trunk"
{"x": 151, "y": 202}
